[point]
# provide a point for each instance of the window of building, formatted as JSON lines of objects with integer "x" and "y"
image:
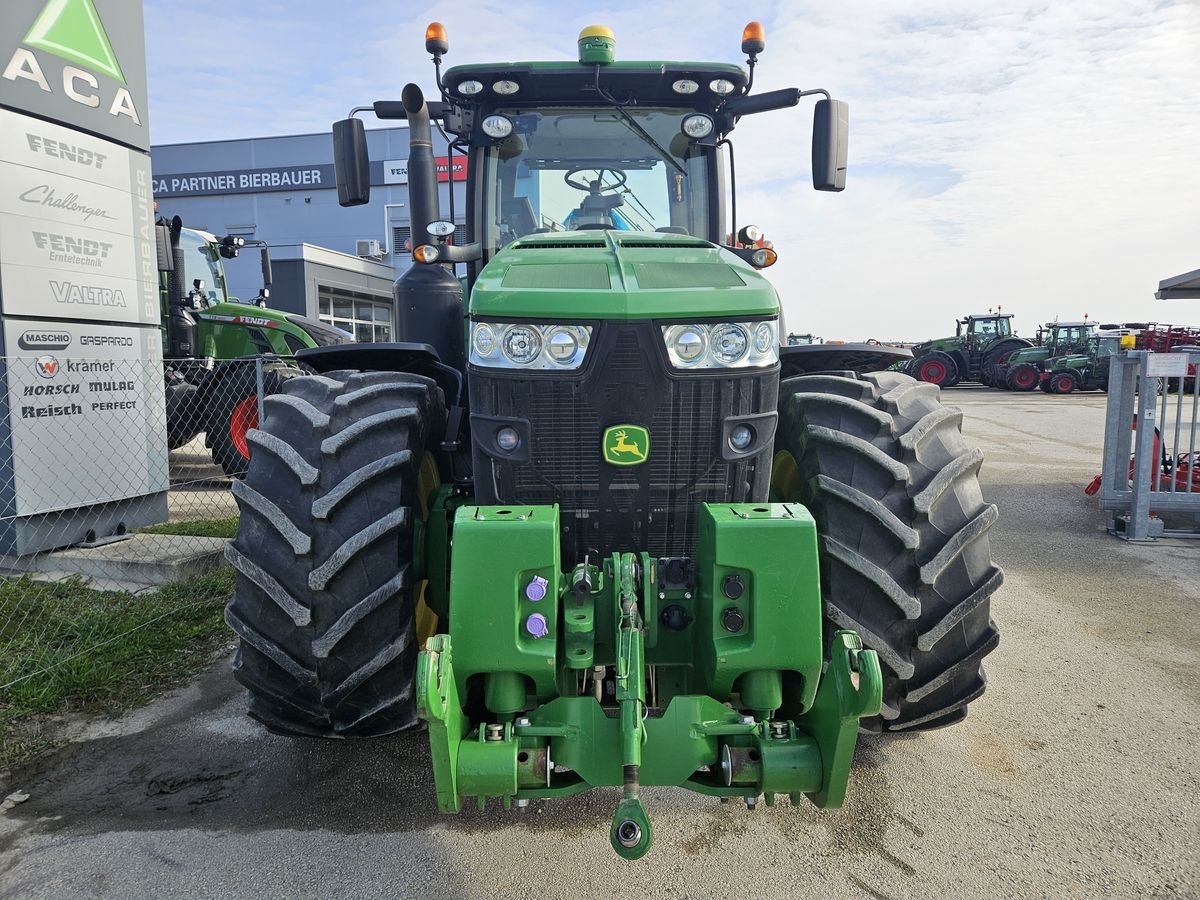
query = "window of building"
{"x": 368, "y": 318}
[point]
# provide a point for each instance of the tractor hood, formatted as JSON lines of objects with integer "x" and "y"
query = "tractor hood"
{"x": 942, "y": 344}
{"x": 1028, "y": 355}
{"x": 605, "y": 274}
{"x": 1067, "y": 361}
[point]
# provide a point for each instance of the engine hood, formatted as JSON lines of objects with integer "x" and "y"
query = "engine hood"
{"x": 619, "y": 275}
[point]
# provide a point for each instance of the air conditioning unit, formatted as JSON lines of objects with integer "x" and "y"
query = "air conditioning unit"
{"x": 369, "y": 249}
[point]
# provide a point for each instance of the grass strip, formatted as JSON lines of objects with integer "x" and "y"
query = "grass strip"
{"x": 219, "y": 528}
{"x": 65, "y": 648}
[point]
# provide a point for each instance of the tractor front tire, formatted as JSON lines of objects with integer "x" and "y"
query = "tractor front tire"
{"x": 936, "y": 368}
{"x": 231, "y": 409}
{"x": 1062, "y": 383}
{"x": 1024, "y": 377}
{"x": 903, "y": 532}
{"x": 326, "y": 591}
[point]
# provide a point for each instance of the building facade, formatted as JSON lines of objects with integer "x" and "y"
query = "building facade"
{"x": 282, "y": 190}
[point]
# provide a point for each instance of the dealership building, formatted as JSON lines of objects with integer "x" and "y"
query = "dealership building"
{"x": 329, "y": 262}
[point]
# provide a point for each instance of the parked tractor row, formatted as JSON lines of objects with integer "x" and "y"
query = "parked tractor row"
{"x": 1064, "y": 356}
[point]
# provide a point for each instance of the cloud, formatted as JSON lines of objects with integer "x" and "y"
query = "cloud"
{"x": 1035, "y": 155}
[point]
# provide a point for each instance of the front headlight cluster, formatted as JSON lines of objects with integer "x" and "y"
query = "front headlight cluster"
{"x": 523, "y": 345}
{"x": 723, "y": 345}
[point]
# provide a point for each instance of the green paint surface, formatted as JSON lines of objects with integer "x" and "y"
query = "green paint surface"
{"x": 620, "y": 275}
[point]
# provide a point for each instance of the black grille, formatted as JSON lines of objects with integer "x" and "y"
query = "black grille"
{"x": 604, "y": 508}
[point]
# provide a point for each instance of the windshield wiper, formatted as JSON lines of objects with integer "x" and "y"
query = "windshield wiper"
{"x": 637, "y": 128}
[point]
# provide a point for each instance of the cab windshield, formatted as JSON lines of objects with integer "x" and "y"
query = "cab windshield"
{"x": 588, "y": 169}
{"x": 200, "y": 262}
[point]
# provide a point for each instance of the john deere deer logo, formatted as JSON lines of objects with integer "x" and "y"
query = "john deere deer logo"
{"x": 626, "y": 445}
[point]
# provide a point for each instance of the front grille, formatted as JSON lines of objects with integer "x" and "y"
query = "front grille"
{"x": 605, "y": 508}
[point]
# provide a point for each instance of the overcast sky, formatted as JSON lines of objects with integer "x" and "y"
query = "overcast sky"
{"x": 1039, "y": 156}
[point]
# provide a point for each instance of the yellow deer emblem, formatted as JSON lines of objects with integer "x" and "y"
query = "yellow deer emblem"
{"x": 626, "y": 445}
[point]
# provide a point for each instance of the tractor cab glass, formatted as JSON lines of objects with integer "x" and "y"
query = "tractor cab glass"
{"x": 1074, "y": 334}
{"x": 200, "y": 263}
{"x": 991, "y": 327}
{"x": 576, "y": 169}
{"x": 1107, "y": 345}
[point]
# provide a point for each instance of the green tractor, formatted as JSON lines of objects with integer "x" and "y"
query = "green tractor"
{"x": 213, "y": 342}
{"x": 1021, "y": 370}
{"x": 980, "y": 342}
{"x": 576, "y": 522}
{"x": 1083, "y": 371}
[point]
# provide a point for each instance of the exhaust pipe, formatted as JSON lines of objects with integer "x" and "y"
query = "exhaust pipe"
{"x": 428, "y": 298}
{"x": 422, "y": 167}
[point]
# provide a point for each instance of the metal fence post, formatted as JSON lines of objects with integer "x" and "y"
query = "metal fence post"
{"x": 1146, "y": 465}
{"x": 258, "y": 380}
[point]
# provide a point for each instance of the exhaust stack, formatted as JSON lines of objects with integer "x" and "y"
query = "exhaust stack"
{"x": 428, "y": 298}
{"x": 422, "y": 167}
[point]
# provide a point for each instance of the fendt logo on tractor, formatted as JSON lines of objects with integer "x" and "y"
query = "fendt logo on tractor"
{"x": 72, "y": 30}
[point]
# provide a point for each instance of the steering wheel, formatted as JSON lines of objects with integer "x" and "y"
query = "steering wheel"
{"x": 598, "y": 187}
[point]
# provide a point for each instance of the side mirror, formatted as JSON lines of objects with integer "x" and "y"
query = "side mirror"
{"x": 831, "y": 136}
{"x": 162, "y": 242}
{"x": 266, "y": 266}
{"x": 351, "y": 165}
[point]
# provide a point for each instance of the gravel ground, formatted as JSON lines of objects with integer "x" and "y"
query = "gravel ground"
{"x": 1074, "y": 776}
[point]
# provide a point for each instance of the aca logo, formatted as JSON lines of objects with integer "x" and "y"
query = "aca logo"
{"x": 47, "y": 366}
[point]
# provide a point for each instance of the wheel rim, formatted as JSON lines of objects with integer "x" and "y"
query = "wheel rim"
{"x": 1064, "y": 384}
{"x": 933, "y": 372}
{"x": 242, "y": 419}
{"x": 1024, "y": 379}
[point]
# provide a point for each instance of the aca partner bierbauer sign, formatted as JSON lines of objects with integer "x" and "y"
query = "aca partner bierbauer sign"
{"x": 245, "y": 181}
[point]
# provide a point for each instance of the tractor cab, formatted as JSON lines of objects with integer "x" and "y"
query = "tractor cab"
{"x": 1069, "y": 334}
{"x": 981, "y": 330}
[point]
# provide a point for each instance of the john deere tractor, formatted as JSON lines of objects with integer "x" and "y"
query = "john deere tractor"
{"x": 1021, "y": 369}
{"x": 576, "y": 522}
{"x": 980, "y": 342}
{"x": 213, "y": 342}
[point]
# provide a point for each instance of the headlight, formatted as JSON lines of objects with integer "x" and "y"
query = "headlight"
{"x": 686, "y": 343}
{"x": 697, "y": 126}
{"x": 685, "y": 86}
{"x": 470, "y": 87}
{"x": 506, "y": 87}
{"x": 521, "y": 345}
{"x": 721, "y": 86}
{"x": 497, "y": 127}
{"x": 723, "y": 345}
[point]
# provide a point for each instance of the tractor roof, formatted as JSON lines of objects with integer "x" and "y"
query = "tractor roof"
{"x": 989, "y": 316}
{"x": 1070, "y": 324}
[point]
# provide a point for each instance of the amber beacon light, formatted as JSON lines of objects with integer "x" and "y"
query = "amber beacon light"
{"x": 754, "y": 39}
{"x": 437, "y": 43}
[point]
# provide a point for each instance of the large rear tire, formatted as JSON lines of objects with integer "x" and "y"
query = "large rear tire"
{"x": 326, "y": 589}
{"x": 903, "y": 528}
{"x": 231, "y": 409}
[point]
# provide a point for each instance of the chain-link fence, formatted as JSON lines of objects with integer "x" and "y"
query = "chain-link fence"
{"x": 115, "y": 504}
